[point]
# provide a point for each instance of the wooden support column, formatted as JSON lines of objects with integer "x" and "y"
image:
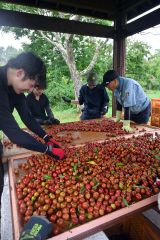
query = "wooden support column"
{"x": 119, "y": 53}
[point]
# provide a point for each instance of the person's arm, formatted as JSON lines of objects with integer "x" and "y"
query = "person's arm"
{"x": 104, "y": 108}
{"x": 75, "y": 101}
{"x": 81, "y": 96}
{"x": 48, "y": 108}
{"x": 51, "y": 119}
{"x": 126, "y": 121}
{"x": 11, "y": 129}
{"x": 118, "y": 111}
{"x": 49, "y": 112}
{"x": 129, "y": 101}
{"x": 26, "y": 116}
{"x": 68, "y": 100}
{"x": 29, "y": 103}
{"x": 31, "y": 123}
{"x": 80, "y": 100}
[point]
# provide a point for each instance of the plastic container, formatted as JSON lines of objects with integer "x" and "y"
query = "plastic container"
{"x": 155, "y": 113}
{"x": 155, "y": 106}
{"x": 155, "y": 120}
{"x": 83, "y": 230}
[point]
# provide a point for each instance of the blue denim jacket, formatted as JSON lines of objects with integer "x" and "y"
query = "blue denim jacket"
{"x": 129, "y": 93}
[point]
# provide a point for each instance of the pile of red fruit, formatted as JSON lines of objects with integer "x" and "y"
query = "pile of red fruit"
{"x": 111, "y": 128}
{"x": 92, "y": 181}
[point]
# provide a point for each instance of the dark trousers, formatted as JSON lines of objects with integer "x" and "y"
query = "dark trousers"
{"x": 142, "y": 117}
{"x": 1, "y": 171}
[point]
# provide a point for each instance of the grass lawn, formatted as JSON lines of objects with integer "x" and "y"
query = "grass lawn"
{"x": 72, "y": 115}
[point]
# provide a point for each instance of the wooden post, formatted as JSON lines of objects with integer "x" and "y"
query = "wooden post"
{"x": 119, "y": 53}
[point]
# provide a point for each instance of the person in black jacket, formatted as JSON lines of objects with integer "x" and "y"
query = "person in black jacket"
{"x": 94, "y": 97}
{"x": 39, "y": 107}
{"x": 20, "y": 74}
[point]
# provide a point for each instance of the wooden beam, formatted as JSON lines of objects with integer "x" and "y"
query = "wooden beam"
{"x": 39, "y": 22}
{"x": 150, "y": 20}
{"x": 81, "y": 7}
{"x": 130, "y": 5}
{"x": 140, "y": 9}
{"x": 105, "y": 6}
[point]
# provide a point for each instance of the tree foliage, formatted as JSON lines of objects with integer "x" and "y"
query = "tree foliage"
{"x": 142, "y": 65}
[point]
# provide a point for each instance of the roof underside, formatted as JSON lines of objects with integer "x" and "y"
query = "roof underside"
{"x": 105, "y": 9}
{"x": 114, "y": 10}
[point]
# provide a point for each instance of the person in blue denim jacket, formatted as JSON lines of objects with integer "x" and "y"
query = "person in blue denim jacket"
{"x": 130, "y": 96}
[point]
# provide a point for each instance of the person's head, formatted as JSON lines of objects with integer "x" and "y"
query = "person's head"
{"x": 92, "y": 80}
{"x": 38, "y": 91}
{"x": 25, "y": 71}
{"x": 110, "y": 80}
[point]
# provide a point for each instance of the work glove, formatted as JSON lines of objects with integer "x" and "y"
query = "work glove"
{"x": 51, "y": 141}
{"x": 57, "y": 153}
{"x": 54, "y": 121}
{"x": 104, "y": 111}
{"x": 118, "y": 116}
{"x": 66, "y": 99}
{"x": 37, "y": 228}
{"x": 126, "y": 126}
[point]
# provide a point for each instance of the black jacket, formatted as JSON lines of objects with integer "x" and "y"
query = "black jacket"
{"x": 40, "y": 109}
{"x": 8, "y": 100}
{"x": 95, "y": 99}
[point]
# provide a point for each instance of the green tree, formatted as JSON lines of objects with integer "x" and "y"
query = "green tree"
{"x": 154, "y": 62}
{"x": 80, "y": 54}
{"x": 137, "y": 61}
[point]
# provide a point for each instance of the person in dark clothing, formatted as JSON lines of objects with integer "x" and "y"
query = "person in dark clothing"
{"x": 20, "y": 74}
{"x": 39, "y": 107}
{"x": 94, "y": 97}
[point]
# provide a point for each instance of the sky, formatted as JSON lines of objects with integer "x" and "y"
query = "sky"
{"x": 8, "y": 39}
{"x": 150, "y": 36}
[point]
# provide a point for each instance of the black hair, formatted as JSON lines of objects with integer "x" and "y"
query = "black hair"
{"x": 92, "y": 77}
{"x": 38, "y": 86}
{"x": 32, "y": 65}
{"x": 109, "y": 76}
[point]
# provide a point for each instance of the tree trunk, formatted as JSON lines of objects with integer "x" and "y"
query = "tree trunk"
{"x": 73, "y": 70}
{"x": 66, "y": 49}
{"x": 76, "y": 79}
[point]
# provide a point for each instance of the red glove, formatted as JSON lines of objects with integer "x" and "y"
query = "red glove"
{"x": 51, "y": 141}
{"x": 54, "y": 143}
{"x": 58, "y": 153}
